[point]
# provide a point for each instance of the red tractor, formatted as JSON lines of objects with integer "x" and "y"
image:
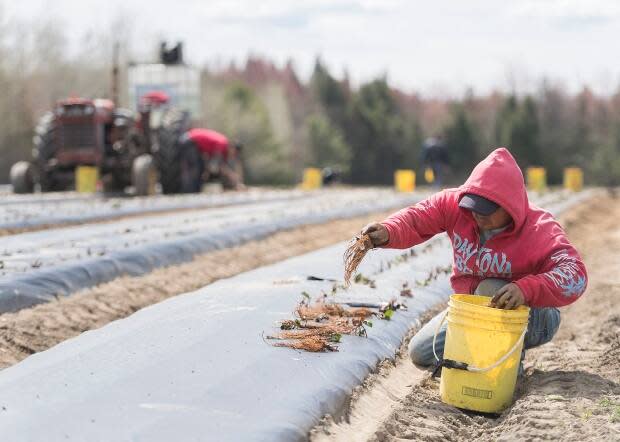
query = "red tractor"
{"x": 128, "y": 149}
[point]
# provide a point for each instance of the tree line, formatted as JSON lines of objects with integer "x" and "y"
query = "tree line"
{"x": 288, "y": 124}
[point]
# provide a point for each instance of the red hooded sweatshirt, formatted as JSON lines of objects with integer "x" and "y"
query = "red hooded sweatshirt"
{"x": 209, "y": 141}
{"x": 532, "y": 252}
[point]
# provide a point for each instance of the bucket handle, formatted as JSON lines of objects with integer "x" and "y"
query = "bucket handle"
{"x": 464, "y": 366}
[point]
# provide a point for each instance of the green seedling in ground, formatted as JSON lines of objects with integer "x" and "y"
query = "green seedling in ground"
{"x": 36, "y": 264}
{"x": 387, "y": 309}
{"x": 361, "y": 279}
{"x": 611, "y": 406}
{"x": 434, "y": 274}
{"x": 615, "y": 414}
{"x": 290, "y": 324}
{"x": 406, "y": 291}
{"x": 335, "y": 337}
{"x": 361, "y": 329}
{"x": 399, "y": 259}
{"x": 306, "y": 295}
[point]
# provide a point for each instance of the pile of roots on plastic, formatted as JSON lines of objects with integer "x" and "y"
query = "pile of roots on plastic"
{"x": 354, "y": 254}
{"x": 319, "y": 326}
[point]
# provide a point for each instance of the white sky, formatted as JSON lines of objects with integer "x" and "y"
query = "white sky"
{"x": 439, "y": 47}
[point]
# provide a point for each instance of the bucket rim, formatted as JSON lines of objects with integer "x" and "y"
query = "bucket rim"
{"x": 463, "y": 302}
{"x": 489, "y": 324}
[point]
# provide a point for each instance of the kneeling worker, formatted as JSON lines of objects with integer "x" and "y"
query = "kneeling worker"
{"x": 221, "y": 158}
{"x": 503, "y": 247}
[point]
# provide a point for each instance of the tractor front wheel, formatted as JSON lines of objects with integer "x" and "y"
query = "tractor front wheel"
{"x": 144, "y": 175}
{"x": 22, "y": 177}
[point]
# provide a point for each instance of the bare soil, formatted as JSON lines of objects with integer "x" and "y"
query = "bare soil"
{"x": 571, "y": 389}
{"x": 43, "y": 326}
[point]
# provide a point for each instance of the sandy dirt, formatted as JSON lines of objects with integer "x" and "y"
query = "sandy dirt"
{"x": 571, "y": 389}
{"x": 388, "y": 386}
{"x": 39, "y": 328}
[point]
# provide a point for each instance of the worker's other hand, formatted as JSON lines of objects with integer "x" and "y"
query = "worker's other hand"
{"x": 508, "y": 297}
{"x": 377, "y": 233}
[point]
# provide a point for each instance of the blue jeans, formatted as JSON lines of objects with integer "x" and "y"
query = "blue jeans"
{"x": 542, "y": 326}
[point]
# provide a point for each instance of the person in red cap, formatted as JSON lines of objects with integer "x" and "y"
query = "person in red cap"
{"x": 220, "y": 157}
{"x": 503, "y": 247}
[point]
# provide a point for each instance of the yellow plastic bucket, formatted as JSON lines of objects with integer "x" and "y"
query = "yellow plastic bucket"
{"x": 489, "y": 341}
{"x": 573, "y": 179}
{"x": 404, "y": 180}
{"x": 536, "y": 178}
{"x": 86, "y": 178}
{"x": 429, "y": 175}
{"x": 313, "y": 179}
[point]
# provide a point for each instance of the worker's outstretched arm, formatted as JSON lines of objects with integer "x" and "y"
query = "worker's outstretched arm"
{"x": 562, "y": 278}
{"x": 416, "y": 224}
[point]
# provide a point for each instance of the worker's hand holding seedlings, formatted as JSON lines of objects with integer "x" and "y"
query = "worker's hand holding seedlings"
{"x": 503, "y": 247}
{"x": 508, "y": 297}
{"x": 371, "y": 236}
{"x": 377, "y": 233}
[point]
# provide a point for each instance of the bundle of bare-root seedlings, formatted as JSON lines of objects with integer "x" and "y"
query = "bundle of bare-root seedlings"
{"x": 319, "y": 327}
{"x": 353, "y": 256}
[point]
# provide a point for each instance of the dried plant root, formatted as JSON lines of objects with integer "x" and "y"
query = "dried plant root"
{"x": 361, "y": 312}
{"x": 339, "y": 327}
{"x": 353, "y": 256}
{"x": 320, "y": 326}
{"x": 314, "y": 344}
{"x": 321, "y": 311}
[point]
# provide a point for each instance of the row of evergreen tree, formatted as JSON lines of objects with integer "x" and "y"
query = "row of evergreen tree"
{"x": 370, "y": 131}
{"x": 287, "y": 124}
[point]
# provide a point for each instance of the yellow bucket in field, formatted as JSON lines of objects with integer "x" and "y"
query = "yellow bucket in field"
{"x": 313, "y": 179}
{"x": 536, "y": 178}
{"x": 429, "y": 175}
{"x": 404, "y": 180}
{"x": 489, "y": 341}
{"x": 573, "y": 179}
{"x": 86, "y": 178}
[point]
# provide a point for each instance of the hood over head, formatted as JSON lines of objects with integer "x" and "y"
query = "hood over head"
{"x": 499, "y": 179}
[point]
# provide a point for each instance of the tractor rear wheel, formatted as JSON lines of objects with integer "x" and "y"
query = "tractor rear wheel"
{"x": 191, "y": 168}
{"x": 183, "y": 171}
{"x": 44, "y": 151}
{"x": 171, "y": 155}
{"x": 22, "y": 177}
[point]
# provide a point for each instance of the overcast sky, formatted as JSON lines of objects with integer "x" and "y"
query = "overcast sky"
{"x": 438, "y": 47}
